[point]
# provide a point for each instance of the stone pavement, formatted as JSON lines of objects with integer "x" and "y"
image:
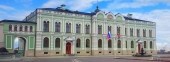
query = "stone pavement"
{"x": 92, "y": 59}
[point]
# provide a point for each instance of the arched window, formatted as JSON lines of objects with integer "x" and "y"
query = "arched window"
{"x": 57, "y": 26}
{"x": 150, "y": 33}
{"x": 132, "y": 44}
{"x": 126, "y": 44}
{"x": 87, "y": 43}
{"x": 110, "y": 29}
{"x": 57, "y": 43}
{"x": 46, "y": 26}
{"x": 68, "y": 27}
{"x": 99, "y": 43}
{"x": 109, "y": 43}
{"x": 78, "y": 43}
{"x": 138, "y": 32}
{"x": 99, "y": 29}
{"x": 26, "y": 28}
{"x": 131, "y": 31}
{"x": 15, "y": 28}
{"x": 87, "y": 29}
{"x": 144, "y": 44}
{"x": 125, "y": 31}
{"x": 20, "y": 28}
{"x": 78, "y": 28}
{"x": 10, "y": 27}
{"x": 144, "y": 32}
{"x": 46, "y": 43}
{"x": 151, "y": 44}
{"x": 118, "y": 30}
{"x": 31, "y": 28}
{"x": 119, "y": 44}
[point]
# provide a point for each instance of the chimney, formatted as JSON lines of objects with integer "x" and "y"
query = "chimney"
{"x": 129, "y": 15}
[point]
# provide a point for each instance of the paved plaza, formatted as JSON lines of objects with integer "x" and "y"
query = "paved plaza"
{"x": 158, "y": 58}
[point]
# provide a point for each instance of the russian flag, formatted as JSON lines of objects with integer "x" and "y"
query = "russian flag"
{"x": 108, "y": 35}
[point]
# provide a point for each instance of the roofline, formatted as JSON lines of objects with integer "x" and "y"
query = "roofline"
{"x": 16, "y": 21}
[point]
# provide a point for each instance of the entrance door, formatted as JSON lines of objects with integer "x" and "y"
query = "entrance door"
{"x": 68, "y": 48}
{"x": 139, "y": 48}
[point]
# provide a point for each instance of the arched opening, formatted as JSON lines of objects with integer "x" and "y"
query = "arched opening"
{"x": 20, "y": 28}
{"x": 10, "y": 27}
{"x": 46, "y": 26}
{"x": 132, "y": 44}
{"x": 31, "y": 29}
{"x": 99, "y": 43}
{"x": 144, "y": 44}
{"x": 87, "y": 43}
{"x": 119, "y": 44}
{"x": 78, "y": 43}
{"x": 15, "y": 28}
{"x": 26, "y": 28}
{"x": 151, "y": 45}
{"x": 46, "y": 42}
{"x": 57, "y": 43}
{"x": 109, "y": 43}
{"x": 20, "y": 45}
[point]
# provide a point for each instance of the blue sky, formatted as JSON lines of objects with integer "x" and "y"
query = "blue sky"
{"x": 153, "y": 10}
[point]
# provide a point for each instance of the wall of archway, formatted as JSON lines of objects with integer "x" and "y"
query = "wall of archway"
{"x": 29, "y": 43}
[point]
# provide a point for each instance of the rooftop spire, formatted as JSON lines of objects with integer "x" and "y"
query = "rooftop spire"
{"x": 62, "y": 6}
{"x": 97, "y": 7}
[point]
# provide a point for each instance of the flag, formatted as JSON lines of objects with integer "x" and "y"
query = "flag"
{"x": 108, "y": 35}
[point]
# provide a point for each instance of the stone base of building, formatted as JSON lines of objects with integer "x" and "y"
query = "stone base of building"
{"x": 1, "y": 44}
{"x": 41, "y": 53}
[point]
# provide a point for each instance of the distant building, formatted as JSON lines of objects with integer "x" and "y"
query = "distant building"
{"x": 60, "y": 31}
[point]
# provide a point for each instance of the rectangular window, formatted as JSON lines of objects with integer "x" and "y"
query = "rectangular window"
{"x": 99, "y": 29}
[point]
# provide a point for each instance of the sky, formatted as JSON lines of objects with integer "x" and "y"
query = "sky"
{"x": 152, "y": 10}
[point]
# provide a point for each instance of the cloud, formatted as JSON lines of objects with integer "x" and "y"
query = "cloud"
{"x": 73, "y": 5}
{"x": 53, "y": 3}
{"x": 119, "y": 4}
{"x": 17, "y": 15}
{"x": 4, "y": 7}
{"x": 161, "y": 17}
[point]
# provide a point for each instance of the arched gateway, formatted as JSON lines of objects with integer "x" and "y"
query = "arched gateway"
{"x": 20, "y": 45}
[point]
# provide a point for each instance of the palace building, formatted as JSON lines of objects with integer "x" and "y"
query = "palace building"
{"x": 60, "y": 31}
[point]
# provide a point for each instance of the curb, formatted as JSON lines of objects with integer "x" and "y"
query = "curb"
{"x": 10, "y": 59}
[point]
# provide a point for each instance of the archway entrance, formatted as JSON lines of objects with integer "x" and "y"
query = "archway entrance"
{"x": 20, "y": 45}
{"x": 68, "y": 48}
